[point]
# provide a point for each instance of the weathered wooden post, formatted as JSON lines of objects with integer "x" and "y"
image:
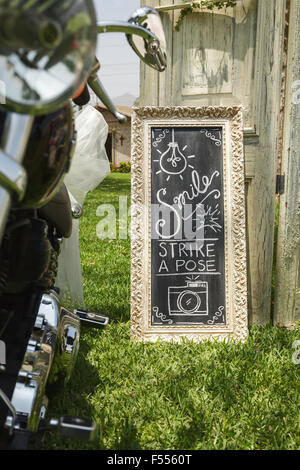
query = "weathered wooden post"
{"x": 230, "y": 57}
{"x": 287, "y": 300}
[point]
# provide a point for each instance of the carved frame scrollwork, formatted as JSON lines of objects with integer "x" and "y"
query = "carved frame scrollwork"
{"x": 231, "y": 120}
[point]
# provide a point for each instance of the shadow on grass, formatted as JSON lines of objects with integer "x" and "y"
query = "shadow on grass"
{"x": 127, "y": 439}
{"x": 189, "y": 437}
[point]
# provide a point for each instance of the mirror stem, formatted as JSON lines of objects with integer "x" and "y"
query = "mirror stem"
{"x": 127, "y": 28}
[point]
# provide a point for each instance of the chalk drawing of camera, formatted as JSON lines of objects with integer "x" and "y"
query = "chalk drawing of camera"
{"x": 191, "y": 299}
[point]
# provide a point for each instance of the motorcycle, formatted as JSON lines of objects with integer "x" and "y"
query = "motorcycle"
{"x": 47, "y": 59}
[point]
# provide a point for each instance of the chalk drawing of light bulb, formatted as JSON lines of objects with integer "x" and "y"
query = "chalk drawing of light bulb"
{"x": 173, "y": 162}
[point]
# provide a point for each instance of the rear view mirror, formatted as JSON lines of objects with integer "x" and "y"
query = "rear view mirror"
{"x": 150, "y": 48}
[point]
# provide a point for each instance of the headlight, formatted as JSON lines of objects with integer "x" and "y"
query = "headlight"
{"x": 47, "y": 50}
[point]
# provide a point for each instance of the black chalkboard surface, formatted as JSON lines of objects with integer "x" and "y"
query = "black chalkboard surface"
{"x": 187, "y": 226}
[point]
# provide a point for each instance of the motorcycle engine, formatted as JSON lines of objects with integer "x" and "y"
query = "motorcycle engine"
{"x": 28, "y": 254}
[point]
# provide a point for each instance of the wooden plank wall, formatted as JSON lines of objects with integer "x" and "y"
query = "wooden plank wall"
{"x": 233, "y": 57}
{"x": 287, "y": 300}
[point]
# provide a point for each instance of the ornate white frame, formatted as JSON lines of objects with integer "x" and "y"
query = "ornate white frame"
{"x": 231, "y": 120}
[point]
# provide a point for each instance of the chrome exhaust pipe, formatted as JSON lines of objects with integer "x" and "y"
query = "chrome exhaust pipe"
{"x": 54, "y": 340}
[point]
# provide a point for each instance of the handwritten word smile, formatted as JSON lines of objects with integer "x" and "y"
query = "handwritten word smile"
{"x": 198, "y": 187}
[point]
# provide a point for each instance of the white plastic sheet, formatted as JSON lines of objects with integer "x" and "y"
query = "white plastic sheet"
{"x": 89, "y": 167}
{"x": 90, "y": 164}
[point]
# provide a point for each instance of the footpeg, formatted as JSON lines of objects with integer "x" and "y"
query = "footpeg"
{"x": 75, "y": 428}
{"x": 93, "y": 320}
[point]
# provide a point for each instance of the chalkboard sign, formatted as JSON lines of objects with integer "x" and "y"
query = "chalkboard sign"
{"x": 188, "y": 251}
{"x": 188, "y": 241}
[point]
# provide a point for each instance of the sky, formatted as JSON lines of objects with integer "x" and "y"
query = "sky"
{"x": 119, "y": 71}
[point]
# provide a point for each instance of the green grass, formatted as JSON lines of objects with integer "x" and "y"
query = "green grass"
{"x": 171, "y": 396}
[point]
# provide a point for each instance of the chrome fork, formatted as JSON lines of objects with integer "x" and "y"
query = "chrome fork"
{"x": 13, "y": 177}
{"x": 54, "y": 342}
